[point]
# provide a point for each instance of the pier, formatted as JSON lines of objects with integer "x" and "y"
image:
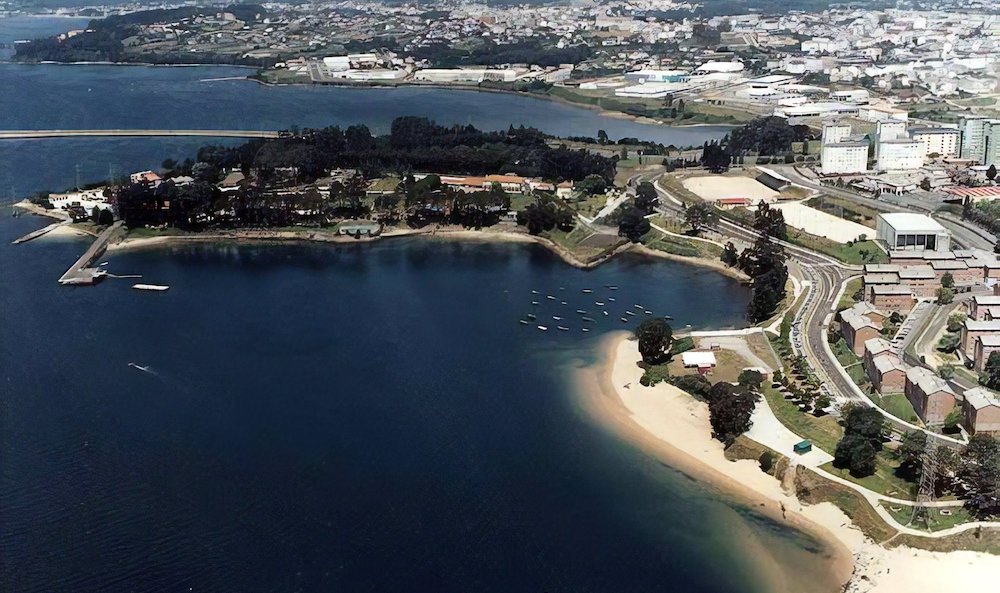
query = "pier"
{"x": 38, "y": 233}
{"x": 37, "y": 134}
{"x": 81, "y": 273}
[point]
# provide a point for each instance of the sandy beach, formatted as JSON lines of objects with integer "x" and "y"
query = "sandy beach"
{"x": 670, "y": 424}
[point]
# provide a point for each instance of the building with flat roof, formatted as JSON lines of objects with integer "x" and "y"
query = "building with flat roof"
{"x": 899, "y": 154}
{"x": 985, "y": 345}
{"x": 891, "y": 297}
{"x": 979, "y": 303}
{"x": 943, "y": 142}
{"x": 835, "y": 131}
{"x": 981, "y": 411}
{"x": 844, "y": 158}
{"x": 858, "y": 329}
{"x": 904, "y": 230}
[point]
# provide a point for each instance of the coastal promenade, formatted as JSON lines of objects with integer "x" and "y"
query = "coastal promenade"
{"x": 81, "y": 272}
{"x": 37, "y": 134}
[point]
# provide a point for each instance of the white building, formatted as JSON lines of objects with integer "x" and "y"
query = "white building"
{"x": 882, "y": 112}
{"x": 900, "y": 154}
{"x": 844, "y": 158}
{"x": 940, "y": 141}
{"x": 972, "y": 131}
{"x": 835, "y": 131}
{"x": 850, "y": 96}
{"x": 890, "y": 129}
{"x": 465, "y": 75}
{"x": 903, "y": 230}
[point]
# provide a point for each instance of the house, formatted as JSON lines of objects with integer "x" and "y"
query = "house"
{"x": 730, "y": 203}
{"x": 961, "y": 272}
{"x": 564, "y": 190}
{"x": 891, "y": 297}
{"x": 701, "y": 360}
{"x": 145, "y": 177}
{"x": 971, "y": 330}
{"x": 865, "y": 308}
{"x": 981, "y": 411}
{"x": 929, "y": 394}
{"x": 511, "y": 184}
{"x": 887, "y": 374}
{"x": 980, "y": 304}
{"x": 985, "y": 345}
{"x": 232, "y": 180}
{"x": 858, "y": 329}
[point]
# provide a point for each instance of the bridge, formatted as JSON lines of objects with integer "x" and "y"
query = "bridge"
{"x": 34, "y": 134}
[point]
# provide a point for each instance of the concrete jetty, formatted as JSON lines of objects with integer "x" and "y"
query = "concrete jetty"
{"x": 81, "y": 273}
{"x": 38, "y": 233}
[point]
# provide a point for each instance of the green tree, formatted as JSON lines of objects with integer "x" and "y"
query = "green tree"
{"x": 750, "y": 378}
{"x": 946, "y": 371}
{"x": 862, "y": 440}
{"x": 655, "y": 338}
{"x": 945, "y": 296}
{"x": 699, "y": 215}
{"x": 952, "y": 420}
{"x": 592, "y": 185}
{"x": 646, "y": 197}
{"x": 956, "y": 321}
{"x": 979, "y": 475}
{"x": 729, "y": 411}
{"x": 948, "y": 343}
{"x": 633, "y": 224}
{"x": 770, "y": 221}
{"x": 991, "y": 173}
{"x": 729, "y": 255}
{"x": 947, "y": 280}
{"x": 990, "y": 376}
{"x": 910, "y": 454}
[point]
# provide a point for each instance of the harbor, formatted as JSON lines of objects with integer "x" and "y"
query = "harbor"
{"x": 83, "y": 272}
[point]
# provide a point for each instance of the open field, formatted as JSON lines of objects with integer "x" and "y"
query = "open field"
{"x": 715, "y": 187}
{"x": 842, "y": 208}
{"x": 936, "y": 519}
{"x": 821, "y": 224}
{"x": 847, "y": 299}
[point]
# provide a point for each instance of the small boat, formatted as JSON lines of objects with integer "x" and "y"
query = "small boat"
{"x": 523, "y": 321}
{"x": 624, "y": 319}
{"x": 557, "y": 318}
{"x": 562, "y": 288}
{"x": 103, "y": 263}
{"x": 530, "y": 316}
{"x": 639, "y": 307}
{"x": 605, "y": 313}
{"x": 581, "y": 311}
{"x": 612, "y": 287}
{"x": 534, "y": 303}
{"x": 669, "y": 318}
{"x": 587, "y": 291}
{"x": 157, "y": 287}
{"x": 590, "y": 319}
{"x": 648, "y": 312}
{"x": 562, "y": 302}
{"x": 550, "y": 297}
{"x": 599, "y": 303}
{"x": 583, "y": 329}
{"x": 562, "y": 328}
{"x": 543, "y": 328}
{"x": 630, "y": 314}
{"x": 139, "y": 367}
{"x": 534, "y": 292}
{"x": 612, "y": 299}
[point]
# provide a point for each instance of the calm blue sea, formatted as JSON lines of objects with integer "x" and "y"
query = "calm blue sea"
{"x": 327, "y": 418}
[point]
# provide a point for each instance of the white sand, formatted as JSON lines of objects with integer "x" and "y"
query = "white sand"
{"x": 679, "y": 424}
{"x": 822, "y": 224}
{"x": 716, "y": 187}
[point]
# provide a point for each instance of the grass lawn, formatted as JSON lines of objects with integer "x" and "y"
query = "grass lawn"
{"x": 851, "y": 363}
{"x": 812, "y": 488}
{"x": 883, "y": 481}
{"x": 824, "y": 431}
{"x": 678, "y": 246}
{"x": 936, "y": 520}
{"x": 571, "y": 242}
{"x": 759, "y": 345}
{"x": 519, "y": 202}
{"x": 144, "y": 232}
{"x": 900, "y": 407}
{"x": 847, "y": 299}
{"x": 384, "y": 183}
{"x": 861, "y": 252}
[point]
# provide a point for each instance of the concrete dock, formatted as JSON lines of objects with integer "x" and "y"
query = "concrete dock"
{"x": 81, "y": 273}
{"x": 38, "y": 233}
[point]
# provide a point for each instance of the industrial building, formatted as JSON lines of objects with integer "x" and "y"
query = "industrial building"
{"x": 903, "y": 230}
{"x": 835, "y": 131}
{"x": 943, "y": 142}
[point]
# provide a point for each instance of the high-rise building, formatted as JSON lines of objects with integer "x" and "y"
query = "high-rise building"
{"x": 835, "y": 131}
{"x": 900, "y": 154}
{"x": 941, "y": 141}
{"x": 844, "y": 158}
{"x": 974, "y": 132}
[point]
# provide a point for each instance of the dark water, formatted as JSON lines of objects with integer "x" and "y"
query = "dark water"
{"x": 360, "y": 418}
{"x": 52, "y": 96}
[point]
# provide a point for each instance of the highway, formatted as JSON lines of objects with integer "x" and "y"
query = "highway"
{"x": 37, "y": 134}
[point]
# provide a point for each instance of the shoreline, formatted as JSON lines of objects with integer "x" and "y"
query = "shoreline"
{"x": 672, "y": 426}
{"x": 455, "y": 87}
